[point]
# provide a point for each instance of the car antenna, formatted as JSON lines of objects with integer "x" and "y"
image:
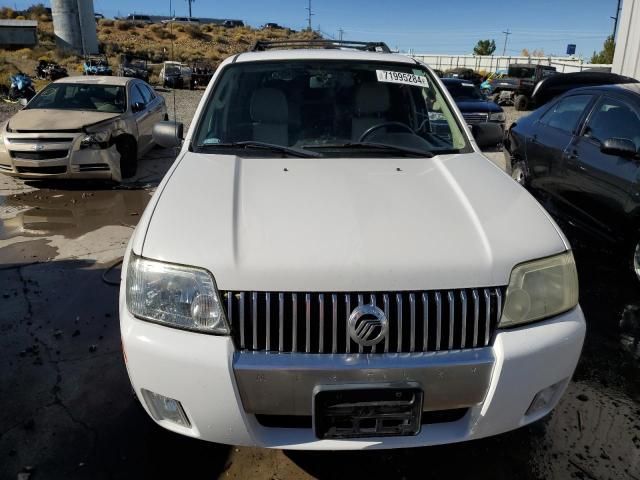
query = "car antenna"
{"x": 175, "y": 119}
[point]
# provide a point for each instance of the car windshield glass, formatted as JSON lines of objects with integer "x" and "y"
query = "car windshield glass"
{"x": 172, "y": 70}
{"x": 464, "y": 91}
{"x": 68, "y": 96}
{"x": 333, "y": 106}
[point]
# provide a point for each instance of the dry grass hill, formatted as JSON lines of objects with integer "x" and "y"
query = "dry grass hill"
{"x": 156, "y": 42}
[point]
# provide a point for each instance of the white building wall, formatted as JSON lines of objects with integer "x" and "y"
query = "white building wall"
{"x": 626, "y": 60}
{"x": 492, "y": 63}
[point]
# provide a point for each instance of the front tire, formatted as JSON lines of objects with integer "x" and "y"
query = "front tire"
{"x": 521, "y": 103}
{"x": 635, "y": 258}
{"x": 128, "y": 150}
{"x": 520, "y": 173}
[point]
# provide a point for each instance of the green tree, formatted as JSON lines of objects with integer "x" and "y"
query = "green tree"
{"x": 484, "y": 47}
{"x": 606, "y": 54}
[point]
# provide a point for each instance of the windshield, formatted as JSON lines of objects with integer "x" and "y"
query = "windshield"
{"x": 464, "y": 91}
{"x": 172, "y": 70}
{"x": 68, "y": 96}
{"x": 329, "y": 107}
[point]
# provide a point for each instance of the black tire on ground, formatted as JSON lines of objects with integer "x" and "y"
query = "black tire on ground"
{"x": 521, "y": 103}
{"x": 128, "y": 150}
{"x": 633, "y": 256}
{"x": 520, "y": 172}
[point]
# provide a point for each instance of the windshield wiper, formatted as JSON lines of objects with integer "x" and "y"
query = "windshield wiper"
{"x": 378, "y": 146}
{"x": 296, "y": 152}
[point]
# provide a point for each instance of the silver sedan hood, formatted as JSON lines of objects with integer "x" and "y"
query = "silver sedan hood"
{"x": 354, "y": 224}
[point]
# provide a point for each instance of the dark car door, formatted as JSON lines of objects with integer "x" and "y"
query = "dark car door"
{"x": 547, "y": 144}
{"x": 607, "y": 183}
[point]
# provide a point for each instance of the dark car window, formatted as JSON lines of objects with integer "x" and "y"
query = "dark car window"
{"x": 136, "y": 96}
{"x": 613, "y": 119}
{"x": 566, "y": 114}
{"x": 464, "y": 91}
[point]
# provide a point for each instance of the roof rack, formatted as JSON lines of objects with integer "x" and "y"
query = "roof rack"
{"x": 262, "y": 45}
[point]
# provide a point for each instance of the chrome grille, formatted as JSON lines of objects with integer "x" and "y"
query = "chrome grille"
{"x": 426, "y": 321}
{"x": 472, "y": 118}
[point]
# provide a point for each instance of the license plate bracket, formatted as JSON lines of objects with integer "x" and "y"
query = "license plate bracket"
{"x": 347, "y": 412}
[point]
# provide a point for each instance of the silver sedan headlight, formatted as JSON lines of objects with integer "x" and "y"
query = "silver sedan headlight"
{"x": 541, "y": 289}
{"x": 497, "y": 117}
{"x": 96, "y": 140}
{"x": 174, "y": 295}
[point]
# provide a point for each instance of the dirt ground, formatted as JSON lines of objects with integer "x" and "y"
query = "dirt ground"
{"x": 67, "y": 408}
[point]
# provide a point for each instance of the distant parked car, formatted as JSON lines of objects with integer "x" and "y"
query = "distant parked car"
{"x": 176, "y": 75}
{"x": 135, "y": 67}
{"x": 475, "y": 107}
{"x": 273, "y": 26}
{"x": 183, "y": 20}
{"x": 517, "y": 87}
{"x": 98, "y": 16}
{"x": 580, "y": 155}
{"x": 50, "y": 71}
{"x": 81, "y": 127}
{"x": 233, "y": 23}
{"x": 143, "y": 19}
{"x": 96, "y": 65}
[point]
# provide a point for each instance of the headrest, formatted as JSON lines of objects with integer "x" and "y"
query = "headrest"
{"x": 269, "y": 105}
{"x": 372, "y": 98}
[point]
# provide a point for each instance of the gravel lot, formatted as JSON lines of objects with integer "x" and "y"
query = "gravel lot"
{"x": 67, "y": 410}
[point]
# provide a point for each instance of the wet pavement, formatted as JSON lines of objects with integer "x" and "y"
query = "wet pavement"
{"x": 68, "y": 411}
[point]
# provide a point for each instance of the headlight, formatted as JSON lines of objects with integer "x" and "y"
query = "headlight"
{"x": 497, "y": 117}
{"x": 177, "y": 296}
{"x": 541, "y": 289}
{"x": 96, "y": 140}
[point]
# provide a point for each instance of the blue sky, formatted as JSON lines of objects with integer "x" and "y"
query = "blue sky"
{"x": 426, "y": 26}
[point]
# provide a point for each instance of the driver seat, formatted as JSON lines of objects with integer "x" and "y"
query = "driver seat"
{"x": 372, "y": 104}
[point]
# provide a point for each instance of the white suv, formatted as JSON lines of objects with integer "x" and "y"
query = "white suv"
{"x": 331, "y": 263}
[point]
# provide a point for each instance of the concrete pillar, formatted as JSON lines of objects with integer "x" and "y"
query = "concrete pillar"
{"x": 626, "y": 60}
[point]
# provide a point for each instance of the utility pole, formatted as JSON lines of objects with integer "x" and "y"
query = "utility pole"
{"x": 190, "y": 2}
{"x": 506, "y": 38}
{"x": 340, "y": 33}
{"x": 309, "y": 15}
{"x": 615, "y": 21}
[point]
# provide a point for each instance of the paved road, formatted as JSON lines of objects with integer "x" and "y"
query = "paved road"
{"x": 67, "y": 409}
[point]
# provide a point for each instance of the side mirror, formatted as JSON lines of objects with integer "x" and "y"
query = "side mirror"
{"x": 168, "y": 134}
{"x": 487, "y": 134}
{"x": 620, "y": 147}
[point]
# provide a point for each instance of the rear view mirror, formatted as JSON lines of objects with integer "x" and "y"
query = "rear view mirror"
{"x": 620, "y": 147}
{"x": 487, "y": 134}
{"x": 168, "y": 134}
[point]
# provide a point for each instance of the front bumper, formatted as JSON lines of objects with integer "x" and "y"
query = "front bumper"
{"x": 40, "y": 156}
{"x": 211, "y": 380}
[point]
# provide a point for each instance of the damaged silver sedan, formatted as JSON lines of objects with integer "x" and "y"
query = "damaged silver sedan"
{"x": 92, "y": 128}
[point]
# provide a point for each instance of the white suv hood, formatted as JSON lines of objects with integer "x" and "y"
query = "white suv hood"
{"x": 355, "y": 224}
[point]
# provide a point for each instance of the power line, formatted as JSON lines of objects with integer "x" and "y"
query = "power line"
{"x": 506, "y": 38}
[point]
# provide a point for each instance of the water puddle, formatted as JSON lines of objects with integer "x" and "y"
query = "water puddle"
{"x": 69, "y": 213}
